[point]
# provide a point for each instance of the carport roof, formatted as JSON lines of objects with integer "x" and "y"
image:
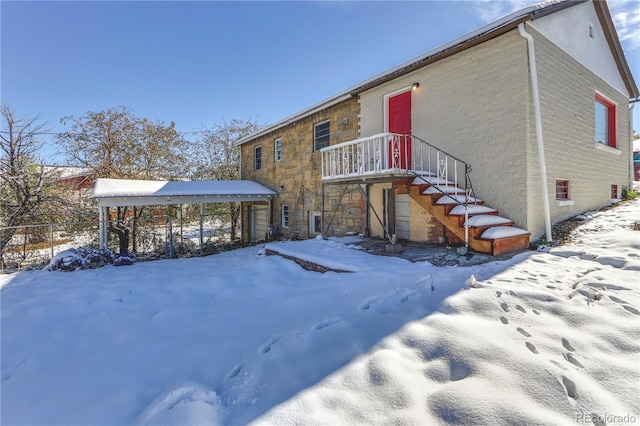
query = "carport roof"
{"x": 127, "y": 192}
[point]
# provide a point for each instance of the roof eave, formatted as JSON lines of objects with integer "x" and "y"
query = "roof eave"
{"x": 442, "y": 54}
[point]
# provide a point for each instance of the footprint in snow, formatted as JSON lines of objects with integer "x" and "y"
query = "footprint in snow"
{"x": 326, "y": 323}
{"x": 569, "y": 357}
{"x": 523, "y": 332}
{"x": 631, "y": 309}
{"x": 234, "y": 371}
{"x": 13, "y": 370}
{"x": 535, "y": 312}
{"x": 521, "y": 309}
{"x": 557, "y": 364}
{"x": 570, "y": 387}
{"x": 532, "y": 348}
{"x": 504, "y": 320}
{"x": 498, "y": 294}
{"x": 366, "y": 304}
{"x": 504, "y": 306}
{"x": 266, "y": 347}
{"x": 618, "y": 300}
{"x": 567, "y": 345}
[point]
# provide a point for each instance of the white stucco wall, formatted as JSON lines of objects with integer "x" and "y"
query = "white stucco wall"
{"x": 569, "y": 30}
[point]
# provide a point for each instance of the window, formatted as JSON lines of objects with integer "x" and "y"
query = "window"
{"x": 614, "y": 192}
{"x": 285, "y": 216}
{"x": 277, "y": 149}
{"x": 605, "y": 121}
{"x": 257, "y": 163}
{"x": 562, "y": 189}
{"x": 321, "y": 135}
{"x": 315, "y": 223}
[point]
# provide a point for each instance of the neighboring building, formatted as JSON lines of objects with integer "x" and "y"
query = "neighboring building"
{"x": 636, "y": 159}
{"x": 464, "y": 117}
{"x": 76, "y": 181}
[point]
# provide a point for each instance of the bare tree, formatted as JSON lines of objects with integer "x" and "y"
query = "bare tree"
{"x": 114, "y": 143}
{"x": 217, "y": 158}
{"x": 24, "y": 181}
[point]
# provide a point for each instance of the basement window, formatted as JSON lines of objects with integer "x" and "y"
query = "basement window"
{"x": 284, "y": 216}
{"x": 614, "y": 192}
{"x": 562, "y": 193}
{"x": 562, "y": 189}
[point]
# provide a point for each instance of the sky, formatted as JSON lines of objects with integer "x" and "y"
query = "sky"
{"x": 197, "y": 63}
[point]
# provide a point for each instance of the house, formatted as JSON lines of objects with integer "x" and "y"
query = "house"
{"x": 487, "y": 140}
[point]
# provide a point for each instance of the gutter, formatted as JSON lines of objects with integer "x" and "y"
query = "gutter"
{"x": 538, "y": 119}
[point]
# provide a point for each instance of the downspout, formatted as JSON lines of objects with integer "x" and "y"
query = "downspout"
{"x": 538, "y": 118}
{"x": 632, "y": 174}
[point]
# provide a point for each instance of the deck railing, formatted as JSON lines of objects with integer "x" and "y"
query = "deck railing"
{"x": 391, "y": 153}
{"x": 395, "y": 155}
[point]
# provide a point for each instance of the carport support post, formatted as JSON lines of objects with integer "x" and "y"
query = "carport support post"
{"x": 201, "y": 227}
{"x": 181, "y": 233}
{"x": 322, "y": 213}
{"x": 102, "y": 227}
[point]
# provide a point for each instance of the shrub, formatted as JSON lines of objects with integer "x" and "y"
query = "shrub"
{"x": 629, "y": 193}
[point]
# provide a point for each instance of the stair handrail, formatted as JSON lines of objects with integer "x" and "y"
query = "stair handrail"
{"x": 469, "y": 192}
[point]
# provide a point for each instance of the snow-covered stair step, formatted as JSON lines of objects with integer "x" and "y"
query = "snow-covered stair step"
{"x": 488, "y": 220}
{"x": 505, "y": 239}
{"x": 431, "y": 180}
{"x": 472, "y": 210}
{"x": 498, "y": 232}
{"x": 457, "y": 199}
{"x": 439, "y": 189}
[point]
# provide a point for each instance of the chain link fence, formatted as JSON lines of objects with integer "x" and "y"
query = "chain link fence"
{"x": 36, "y": 245}
{"x": 156, "y": 238}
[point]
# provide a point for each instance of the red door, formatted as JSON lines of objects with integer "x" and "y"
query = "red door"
{"x": 400, "y": 123}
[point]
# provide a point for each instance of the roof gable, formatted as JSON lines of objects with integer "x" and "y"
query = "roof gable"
{"x": 582, "y": 33}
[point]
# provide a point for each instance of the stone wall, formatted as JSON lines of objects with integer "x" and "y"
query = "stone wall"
{"x": 297, "y": 176}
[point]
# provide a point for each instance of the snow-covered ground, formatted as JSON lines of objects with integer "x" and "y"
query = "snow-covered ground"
{"x": 543, "y": 338}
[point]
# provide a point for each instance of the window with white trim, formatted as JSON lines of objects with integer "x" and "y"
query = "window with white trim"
{"x": 257, "y": 159}
{"x": 284, "y": 213}
{"x": 605, "y": 121}
{"x": 321, "y": 135}
{"x": 277, "y": 149}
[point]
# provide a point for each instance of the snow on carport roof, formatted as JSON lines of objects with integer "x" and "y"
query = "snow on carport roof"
{"x": 126, "y": 192}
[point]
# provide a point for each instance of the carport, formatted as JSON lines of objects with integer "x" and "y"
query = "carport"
{"x": 129, "y": 193}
